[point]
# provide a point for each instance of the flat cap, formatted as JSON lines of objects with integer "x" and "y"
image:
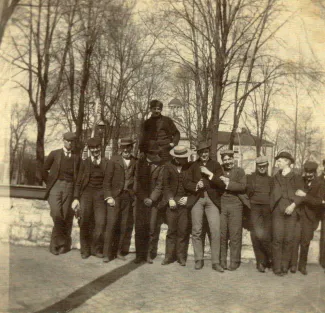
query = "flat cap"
{"x": 310, "y": 166}
{"x": 227, "y": 152}
{"x": 126, "y": 141}
{"x": 69, "y": 136}
{"x": 156, "y": 103}
{"x": 262, "y": 160}
{"x": 285, "y": 155}
{"x": 93, "y": 142}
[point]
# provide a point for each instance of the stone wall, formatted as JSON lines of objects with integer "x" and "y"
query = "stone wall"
{"x": 28, "y": 222}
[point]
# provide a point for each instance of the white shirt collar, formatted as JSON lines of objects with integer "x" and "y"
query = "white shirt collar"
{"x": 98, "y": 160}
{"x": 286, "y": 171}
{"x": 66, "y": 151}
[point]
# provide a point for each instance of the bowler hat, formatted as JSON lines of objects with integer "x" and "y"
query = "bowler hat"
{"x": 180, "y": 152}
{"x": 227, "y": 152}
{"x": 126, "y": 141}
{"x": 262, "y": 160}
{"x": 93, "y": 142}
{"x": 310, "y": 166}
{"x": 152, "y": 152}
{"x": 202, "y": 145}
{"x": 285, "y": 155}
{"x": 70, "y": 136}
{"x": 156, "y": 103}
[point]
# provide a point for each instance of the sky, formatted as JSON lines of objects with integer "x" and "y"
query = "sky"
{"x": 303, "y": 33}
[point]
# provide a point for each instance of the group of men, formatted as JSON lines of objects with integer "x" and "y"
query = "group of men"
{"x": 193, "y": 198}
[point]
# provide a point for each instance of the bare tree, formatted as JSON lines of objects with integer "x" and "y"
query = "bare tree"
{"x": 7, "y": 8}
{"x": 40, "y": 54}
{"x": 19, "y": 121}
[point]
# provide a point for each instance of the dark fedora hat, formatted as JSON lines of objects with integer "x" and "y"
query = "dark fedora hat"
{"x": 203, "y": 145}
{"x": 94, "y": 142}
{"x": 310, "y": 166}
{"x": 126, "y": 141}
{"x": 180, "y": 152}
{"x": 70, "y": 136}
{"x": 152, "y": 152}
{"x": 285, "y": 155}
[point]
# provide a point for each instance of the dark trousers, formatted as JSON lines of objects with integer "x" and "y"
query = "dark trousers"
{"x": 117, "y": 220}
{"x": 60, "y": 199}
{"x": 296, "y": 243}
{"x": 177, "y": 234}
{"x": 231, "y": 219}
{"x": 92, "y": 221}
{"x": 322, "y": 240}
{"x": 261, "y": 232}
{"x": 283, "y": 231}
{"x": 148, "y": 222}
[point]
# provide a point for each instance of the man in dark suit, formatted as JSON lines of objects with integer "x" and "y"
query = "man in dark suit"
{"x": 178, "y": 202}
{"x": 118, "y": 190}
{"x": 259, "y": 186}
{"x": 148, "y": 191}
{"x": 59, "y": 172}
{"x": 159, "y": 129}
{"x": 203, "y": 181}
{"x": 231, "y": 211}
{"x": 284, "y": 206}
{"x": 322, "y": 219}
{"x": 89, "y": 199}
{"x": 309, "y": 212}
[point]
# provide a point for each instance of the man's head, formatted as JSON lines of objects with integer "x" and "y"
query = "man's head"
{"x": 284, "y": 160}
{"x": 203, "y": 151}
{"x": 152, "y": 153}
{"x": 227, "y": 158}
{"x": 180, "y": 154}
{"x": 310, "y": 169}
{"x": 262, "y": 165}
{"x": 94, "y": 146}
{"x": 156, "y": 107}
{"x": 126, "y": 147}
{"x": 68, "y": 140}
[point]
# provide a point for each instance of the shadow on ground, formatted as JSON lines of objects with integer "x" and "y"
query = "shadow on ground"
{"x": 81, "y": 295}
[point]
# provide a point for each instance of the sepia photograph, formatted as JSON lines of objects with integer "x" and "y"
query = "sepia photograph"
{"x": 162, "y": 156}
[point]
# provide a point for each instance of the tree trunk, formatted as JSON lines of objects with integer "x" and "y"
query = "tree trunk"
{"x": 41, "y": 127}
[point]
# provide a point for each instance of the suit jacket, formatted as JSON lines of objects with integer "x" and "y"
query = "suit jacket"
{"x": 295, "y": 182}
{"x": 163, "y": 128}
{"x": 51, "y": 168}
{"x": 171, "y": 184}
{"x": 214, "y": 187}
{"x": 312, "y": 202}
{"x": 237, "y": 185}
{"x": 114, "y": 179}
{"x": 84, "y": 175}
{"x": 148, "y": 184}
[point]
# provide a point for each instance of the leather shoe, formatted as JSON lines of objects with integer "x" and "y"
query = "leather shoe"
{"x": 182, "y": 262}
{"x": 261, "y": 268}
{"x": 99, "y": 255}
{"x": 199, "y": 264}
{"x": 218, "y": 268}
{"x": 293, "y": 269}
{"x": 149, "y": 260}
{"x": 62, "y": 250}
{"x": 278, "y": 274}
{"x": 138, "y": 260}
{"x": 233, "y": 266}
{"x": 85, "y": 255}
{"x": 223, "y": 265}
{"x": 166, "y": 262}
{"x": 303, "y": 270}
{"x": 121, "y": 257}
